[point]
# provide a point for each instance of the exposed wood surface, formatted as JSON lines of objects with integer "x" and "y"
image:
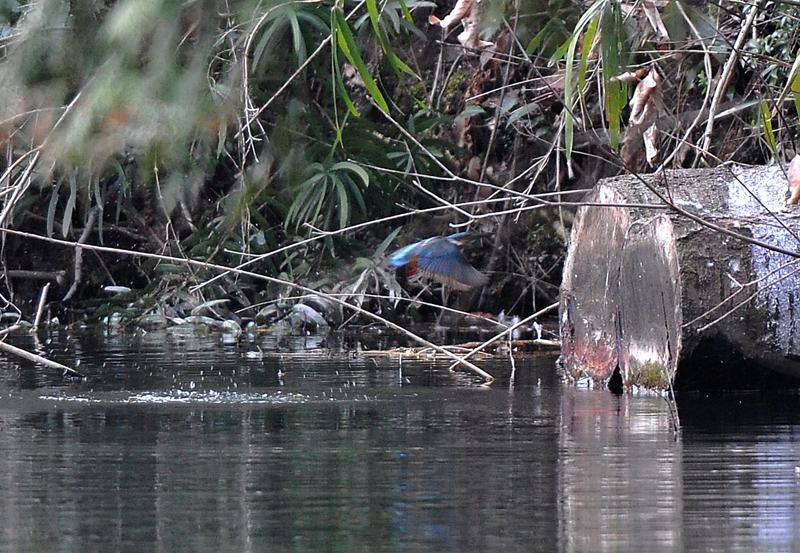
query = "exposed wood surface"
{"x": 663, "y": 296}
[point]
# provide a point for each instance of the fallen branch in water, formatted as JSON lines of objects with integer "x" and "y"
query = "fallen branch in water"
{"x": 521, "y": 344}
{"x": 13, "y": 350}
{"x": 419, "y": 351}
{"x": 488, "y": 378}
{"x": 507, "y": 331}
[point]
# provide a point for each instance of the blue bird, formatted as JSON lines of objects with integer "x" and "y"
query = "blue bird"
{"x": 439, "y": 258}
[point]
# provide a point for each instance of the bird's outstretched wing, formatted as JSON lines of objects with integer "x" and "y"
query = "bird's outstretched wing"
{"x": 447, "y": 264}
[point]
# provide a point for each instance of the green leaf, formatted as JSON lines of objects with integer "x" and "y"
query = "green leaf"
{"x": 66, "y": 222}
{"x": 406, "y": 11}
{"x": 521, "y": 112}
{"x": 297, "y": 38}
{"x": 266, "y": 36}
{"x": 385, "y": 244}
{"x": 347, "y": 44}
{"x": 396, "y": 63}
{"x": 766, "y": 121}
{"x": 344, "y": 95}
{"x": 350, "y": 166}
{"x": 471, "y": 111}
{"x": 538, "y": 38}
{"x": 313, "y": 20}
{"x": 355, "y": 191}
{"x": 51, "y": 209}
{"x": 317, "y": 202}
{"x": 344, "y": 204}
{"x": 795, "y": 84}
{"x": 612, "y": 43}
{"x": 569, "y": 92}
{"x": 588, "y": 40}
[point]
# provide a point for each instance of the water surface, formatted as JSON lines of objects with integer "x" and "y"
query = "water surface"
{"x": 176, "y": 442}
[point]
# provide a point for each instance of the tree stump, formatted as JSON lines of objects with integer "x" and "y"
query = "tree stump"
{"x": 661, "y": 296}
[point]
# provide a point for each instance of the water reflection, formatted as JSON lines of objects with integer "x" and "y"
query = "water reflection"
{"x": 176, "y": 442}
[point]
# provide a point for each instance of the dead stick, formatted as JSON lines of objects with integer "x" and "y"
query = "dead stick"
{"x": 53, "y": 276}
{"x": 87, "y": 230}
{"x": 12, "y": 328}
{"x": 508, "y": 331}
{"x": 13, "y": 350}
{"x": 40, "y": 309}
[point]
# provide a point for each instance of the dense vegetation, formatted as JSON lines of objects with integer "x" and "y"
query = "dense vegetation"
{"x": 306, "y": 138}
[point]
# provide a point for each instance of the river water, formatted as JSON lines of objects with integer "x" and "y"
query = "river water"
{"x": 178, "y": 442}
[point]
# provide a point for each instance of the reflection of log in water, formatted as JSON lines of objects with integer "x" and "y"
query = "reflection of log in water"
{"x": 658, "y": 294}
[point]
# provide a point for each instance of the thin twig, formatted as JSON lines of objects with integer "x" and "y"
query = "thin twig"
{"x": 507, "y": 331}
{"x": 707, "y": 63}
{"x": 727, "y": 72}
{"x": 744, "y": 302}
{"x": 40, "y": 308}
{"x": 742, "y": 288}
{"x": 87, "y": 230}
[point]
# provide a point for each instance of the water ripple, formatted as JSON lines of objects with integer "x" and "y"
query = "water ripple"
{"x": 204, "y": 397}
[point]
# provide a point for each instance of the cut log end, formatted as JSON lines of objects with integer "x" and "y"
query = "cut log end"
{"x": 650, "y": 293}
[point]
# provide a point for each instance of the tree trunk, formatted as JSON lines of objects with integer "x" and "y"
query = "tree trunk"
{"x": 661, "y": 296}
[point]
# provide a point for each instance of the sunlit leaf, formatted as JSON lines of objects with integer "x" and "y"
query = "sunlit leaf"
{"x": 795, "y": 84}
{"x": 612, "y": 44}
{"x": 569, "y": 91}
{"x": 586, "y": 50}
{"x": 766, "y": 121}
{"x": 396, "y": 63}
{"x": 347, "y": 44}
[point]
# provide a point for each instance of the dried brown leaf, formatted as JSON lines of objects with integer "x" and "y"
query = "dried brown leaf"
{"x": 793, "y": 173}
{"x": 654, "y": 18}
{"x": 468, "y": 11}
{"x": 650, "y": 138}
{"x": 459, "y": 12}
{"x": 643, "y": 101}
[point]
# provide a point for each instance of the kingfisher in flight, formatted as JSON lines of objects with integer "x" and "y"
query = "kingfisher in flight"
{"x": 439, "y": 258}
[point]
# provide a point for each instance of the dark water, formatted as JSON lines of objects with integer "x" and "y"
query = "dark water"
{"x": 176, "y": 442}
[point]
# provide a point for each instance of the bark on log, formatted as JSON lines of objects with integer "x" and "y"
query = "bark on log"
{"x": 661, "y": 296}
